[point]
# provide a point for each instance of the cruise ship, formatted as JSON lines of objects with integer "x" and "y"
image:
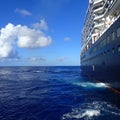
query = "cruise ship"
{"x": 100, "y": 46}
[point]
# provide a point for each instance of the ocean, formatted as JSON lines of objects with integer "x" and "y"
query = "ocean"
{"x": 54, "y": 93}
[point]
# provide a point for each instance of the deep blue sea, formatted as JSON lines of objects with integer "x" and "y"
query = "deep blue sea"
{"x": 54, "y": 93}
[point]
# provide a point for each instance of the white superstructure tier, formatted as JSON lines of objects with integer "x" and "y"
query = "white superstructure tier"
{"x": 99, "y": 17}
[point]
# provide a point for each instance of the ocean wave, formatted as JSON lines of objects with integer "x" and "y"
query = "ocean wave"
{"x": 5, "y": 72}
{"x": 88, "y": 114}
{"x": 39, "y": 71}
{"x": 91, "y": 111}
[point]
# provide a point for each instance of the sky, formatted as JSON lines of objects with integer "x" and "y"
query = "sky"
{"x": 41, "y": 32}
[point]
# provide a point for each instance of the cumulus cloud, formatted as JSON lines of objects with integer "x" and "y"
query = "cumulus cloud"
{"x": 31, "y": 38}
{"x": 12, "y": 36}
{"x": 23, "y": 12}
{"x": 42, "y": 25}
{"x": 7, "y": 38}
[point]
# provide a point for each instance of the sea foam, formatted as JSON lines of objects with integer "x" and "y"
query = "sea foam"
{"x": 76, "y": 114}
{"x": 90, "y": 84}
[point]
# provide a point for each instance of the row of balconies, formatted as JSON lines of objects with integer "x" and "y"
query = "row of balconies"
{"x": 99, "y": 23}
{"x": 104, "y": 5}
{"x": 99, "y": 9}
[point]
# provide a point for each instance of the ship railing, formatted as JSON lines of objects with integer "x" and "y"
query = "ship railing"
{"x": 99, "y": 9}
{"x": 97, "y": 1}
{"x": 87, "y": 42}
{"x": 88, "y": 38}
{"x": 98, "y": 17}
{"x": 105, "y": 28}
{"x": 99, "y": 25}
{"x": 112, "y": 3}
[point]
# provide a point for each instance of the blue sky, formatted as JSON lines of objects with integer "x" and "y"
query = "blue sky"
{"x": 41, "y": 32}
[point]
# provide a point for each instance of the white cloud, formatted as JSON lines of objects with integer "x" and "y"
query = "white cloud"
{"x": 67, "y": 38}
{"x": 23, "y": 12}
{"x": 62, "y": 59}
{"x": 31, "y": 38}
{"x": 12, "y": 36}
{"x": 10, "y": 59}
{"x": 36, "y": 59}
{"x": 42, "y": 25}
{"x": 7, "y": 38}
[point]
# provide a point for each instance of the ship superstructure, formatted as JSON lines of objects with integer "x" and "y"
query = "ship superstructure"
{"x": 101, "y": 14}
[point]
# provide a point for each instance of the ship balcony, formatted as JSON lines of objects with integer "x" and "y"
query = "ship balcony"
{"x": 99, "y": 9}
{"x": 97, "y": 2}
{"x": 94, "y": 34}
{"x": 98, "y": 25}
{"x": 97, "y": 17}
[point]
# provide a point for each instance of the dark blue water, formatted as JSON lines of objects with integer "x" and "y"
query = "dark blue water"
{"x": 54, "y": 93}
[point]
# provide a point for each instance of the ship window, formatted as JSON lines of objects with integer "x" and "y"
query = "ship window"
{"x": 118, "y": 48}
{"x": 118, "y": 32}
{"x": 113, "y": 36}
